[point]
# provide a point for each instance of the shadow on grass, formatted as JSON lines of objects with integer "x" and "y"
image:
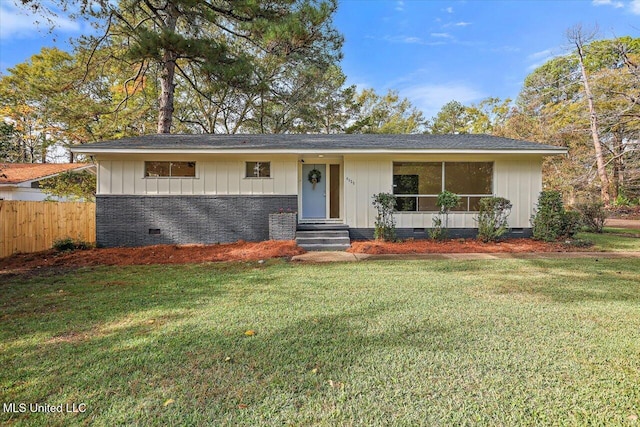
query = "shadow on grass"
{"x": 212, "y": 373}
{"x": 577, "y": 280}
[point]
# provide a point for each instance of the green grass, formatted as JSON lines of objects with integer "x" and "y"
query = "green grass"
{"x": 509, "y": 342}
{"x": 614, "y": 239}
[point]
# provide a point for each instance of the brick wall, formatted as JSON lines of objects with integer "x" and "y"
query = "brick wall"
{"x": 152, "y": 220}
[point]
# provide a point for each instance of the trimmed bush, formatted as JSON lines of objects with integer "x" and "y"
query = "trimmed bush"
{"x": 385, "y": 225}
{"x": 446, "y": 201}
{"x": 571, "y": 223}
{"x": 492, "y": 218}
{"x": 551, "y": 221}
{"x": 592, "y": 215}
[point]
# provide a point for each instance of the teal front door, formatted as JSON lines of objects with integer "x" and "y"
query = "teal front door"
{"x": 314, "y": 191}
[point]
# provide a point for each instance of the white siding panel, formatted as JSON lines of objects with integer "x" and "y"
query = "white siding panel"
{"x": 220, "y": 174}
{"x": 104, "y": 177}
{"x": 233, "y": 178}
{"x": 138, "y": 178}
{"x": 213, "y": 176}
{"x": 199, "y": 183}
{"x": 151, "y": 185}
{"x": 117, "y": 171}
{"x": 364, "y": 178}
{"x": 425, "y": 220}
{"x": 519, "y": 180}
{"x": 174, "y": 185}
{"x": 290, "y": 184}
{"x": 163, "y": 185}
{"x": 128, "y": 177}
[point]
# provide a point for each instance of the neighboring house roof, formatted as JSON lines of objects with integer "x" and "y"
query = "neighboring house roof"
{"x": 15, "y": 173}
{"x": 302, "y": 143}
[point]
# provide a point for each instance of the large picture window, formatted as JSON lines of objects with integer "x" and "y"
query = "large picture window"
{"x": 258, "y": 169}
{"x": 417, "y": 184}
{"x": 170, "y": 169}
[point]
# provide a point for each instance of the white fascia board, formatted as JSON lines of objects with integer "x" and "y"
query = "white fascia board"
{"x": 311, "y": 151}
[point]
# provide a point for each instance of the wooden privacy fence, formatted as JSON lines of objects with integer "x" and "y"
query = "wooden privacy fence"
{"x": 34, "y": 226}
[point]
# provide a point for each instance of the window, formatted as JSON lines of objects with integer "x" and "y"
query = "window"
{"x": 170, "y": 169}
{"x": 258, "y": 169}
{"x": 417, "y": 185}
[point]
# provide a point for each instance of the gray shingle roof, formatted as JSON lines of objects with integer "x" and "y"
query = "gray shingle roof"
{"x": 340, "y": 142}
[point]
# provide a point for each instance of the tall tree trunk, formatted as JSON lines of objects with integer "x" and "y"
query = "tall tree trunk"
{"x": 167, "y": 75}
{"x": 618, "y": 164}
{"x": 167, "y": 86}
{"x": 576, "y": 37}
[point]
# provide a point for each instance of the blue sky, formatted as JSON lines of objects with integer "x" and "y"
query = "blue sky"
{"x": 429, "y": 51}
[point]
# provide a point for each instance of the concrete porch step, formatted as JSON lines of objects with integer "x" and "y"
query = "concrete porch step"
{"x": 323, "y": 240}
{"x": 321, "y": 227}
{"x": 323, "y": 237}
{"x": 325, "y": 247}
{"x": 322, "y": 233}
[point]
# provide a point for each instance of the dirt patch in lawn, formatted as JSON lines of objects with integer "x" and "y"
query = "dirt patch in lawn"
{"x": 632, "y": 224}
{"x": 457, "y": 246}
{"x": 625, "y": 212}
{"x": 159, "y": 254}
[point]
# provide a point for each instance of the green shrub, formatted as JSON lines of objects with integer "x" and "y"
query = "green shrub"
{"x": 385, "y": 225}
{"x": 592, "y": 215}
{"x": 622, "y": 200}
{"x": 64, "y": 245}
{"x": 571, "y": 223}
{"x": 492, "y": 218}
{"x": 67, "y": 244}
{"x": 438, "y": 232}
{"x": 551, "y": 221}
{"x": 446, "y": 201}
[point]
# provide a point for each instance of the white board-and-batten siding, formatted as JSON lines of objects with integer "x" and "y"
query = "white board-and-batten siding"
{"x": 518, "y": 179}
{"x": 224, "y": 176}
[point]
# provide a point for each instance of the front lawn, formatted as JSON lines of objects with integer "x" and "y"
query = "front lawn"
{"x": 613, "y": 239}
{"x": 500, "y": 342}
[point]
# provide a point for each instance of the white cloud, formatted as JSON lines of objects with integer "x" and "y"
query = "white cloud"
{"x": 430, "y": 98}
{"x": 616, "y": 4}
{"x": 462, "y": 24}
{"x": 538, "y": 59}
{"x": 449, "y": 10}
{"x": 441, "y": 35}
{"x": 633, "y": 5}
{"x": 400, "y": 6}
{"x": 20, "y": 25}
{"x": 540, "y": 55}
{"x": 411, "y": 40}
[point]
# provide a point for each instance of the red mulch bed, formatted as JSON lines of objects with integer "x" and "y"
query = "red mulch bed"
{"x": 456, "y": 246}
{"x": 159, "y": 254}
{"x": 249, "y": 251}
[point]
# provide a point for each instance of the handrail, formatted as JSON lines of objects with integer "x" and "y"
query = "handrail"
{"x": 417, "y": 196}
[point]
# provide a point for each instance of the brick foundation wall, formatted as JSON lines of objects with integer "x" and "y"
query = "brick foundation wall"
{"x": 152, "y": 220}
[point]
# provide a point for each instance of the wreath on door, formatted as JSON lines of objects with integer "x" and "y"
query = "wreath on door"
{"x": 314, "y": 177}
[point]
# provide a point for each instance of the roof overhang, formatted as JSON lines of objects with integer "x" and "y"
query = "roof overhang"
{"x": 88, "y": 167}
{"x": 95, "y": 151}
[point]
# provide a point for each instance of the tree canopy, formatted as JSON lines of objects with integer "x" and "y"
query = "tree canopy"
{"x": 274, "y": 67}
